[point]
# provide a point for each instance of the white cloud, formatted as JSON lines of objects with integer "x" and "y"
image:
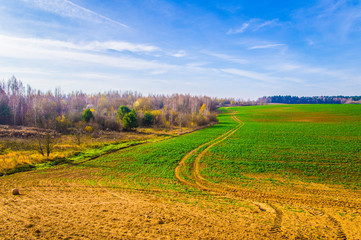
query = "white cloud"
{"x": 25, "y": 70}
{"x": 196, "y": 65}
{"x": 250, "y": 74}
{"x": 286, "y": 67}
{"x": 91, "y": 46}
{"x": 226, "y": 57}
{"x": 239, "y": 30}
{"x": 54, "y": 50}
{"x": 179, "y": 54}
{"x": 67, "y": 8}
{"x": 267, "y": 46}
{"x": 266, "y": 23}
{"x": 253, "y": 25}
{"x": 118, "y": 46}
{"x": 157, "y": 72}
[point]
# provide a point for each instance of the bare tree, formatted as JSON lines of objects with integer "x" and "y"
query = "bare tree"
{"x": 45, "y": 143}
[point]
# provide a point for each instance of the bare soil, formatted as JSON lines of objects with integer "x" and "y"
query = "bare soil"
{"x": 49, "y": 208}
{"x": 58, "y": 204}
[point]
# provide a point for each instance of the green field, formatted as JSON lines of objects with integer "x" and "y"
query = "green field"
{"x": 152, "y": 165}
{"x": 312, "y": 143}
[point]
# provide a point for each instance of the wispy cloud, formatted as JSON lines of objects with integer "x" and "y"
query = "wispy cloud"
{"x": 266, "y": 23}
{"x": 67, "y": 8}
{"x": 253, "y": 25}
{"x": 91, "y": 46}
{"x": 333, "y": 20}
{"x": 226, "y": 57}
{"x": 267, "y": 46}
{"x": 239, "y": 30}
{"x": 250, "y": 75}
{"x": 179, "y": 54}
{"x": 117, "y": 45}
{"x": 47, "y": 49}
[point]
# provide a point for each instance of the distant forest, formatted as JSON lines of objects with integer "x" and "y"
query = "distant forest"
{"x": 310, "y": 100}
{"x": 113, "y": 110}
{"x": 116, "y": 110}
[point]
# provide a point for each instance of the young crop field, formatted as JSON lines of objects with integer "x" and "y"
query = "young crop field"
{"x": 263, "y": 172}
{"x": 309, "y": 143}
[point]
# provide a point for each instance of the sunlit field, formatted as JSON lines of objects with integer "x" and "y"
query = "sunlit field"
{"x": 263, "y": 172}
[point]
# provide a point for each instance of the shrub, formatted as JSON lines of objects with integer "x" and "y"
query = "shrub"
{"x": 87, "y": 115}
{"x": 122, "y": 111}
{"x": 148, "y": 119}
{"x": 89, "y": 129}
{"x": 130, "y": 121}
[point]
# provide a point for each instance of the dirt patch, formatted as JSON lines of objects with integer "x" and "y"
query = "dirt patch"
{"x": 53, "y": 209}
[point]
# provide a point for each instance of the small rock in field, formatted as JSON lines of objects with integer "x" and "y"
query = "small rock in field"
{"x": 15, "y": 191}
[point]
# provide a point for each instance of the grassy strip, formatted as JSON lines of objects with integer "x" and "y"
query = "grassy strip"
{"x": 78, "y": 158}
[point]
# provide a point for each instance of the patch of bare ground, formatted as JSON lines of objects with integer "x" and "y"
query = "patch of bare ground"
{"x": 49, "y": 208}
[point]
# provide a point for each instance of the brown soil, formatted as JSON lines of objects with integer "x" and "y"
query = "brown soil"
{"x": 49, "y": 208}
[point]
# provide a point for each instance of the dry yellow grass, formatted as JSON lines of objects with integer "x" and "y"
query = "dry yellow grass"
{"x": 16, "y": 151}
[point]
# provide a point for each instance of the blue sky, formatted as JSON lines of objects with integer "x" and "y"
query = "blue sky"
{"x": 243, "y": 49}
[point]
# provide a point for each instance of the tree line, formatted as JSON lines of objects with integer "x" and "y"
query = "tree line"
{"x": 112, "y": 110}
{"x": 310, "y": 100}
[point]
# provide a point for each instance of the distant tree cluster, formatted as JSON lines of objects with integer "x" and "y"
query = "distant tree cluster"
{"x": 311, "y": 100}
{"x": 227, "y": 102}
{"x": 113, "y": 110}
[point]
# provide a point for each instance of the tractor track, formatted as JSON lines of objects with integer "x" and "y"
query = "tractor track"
{"x": 196, "y": 180}
{"x": 203, "y": 184}
{"x": 336, "y": 225}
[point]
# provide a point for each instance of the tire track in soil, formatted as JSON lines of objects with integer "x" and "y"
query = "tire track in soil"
{"x": 252, "y": 196}
{"x": 205, "y": 185}
{"x": 339, "y": 231}
{"x": 276, "y": 227}
{"x": 182, "y": 163}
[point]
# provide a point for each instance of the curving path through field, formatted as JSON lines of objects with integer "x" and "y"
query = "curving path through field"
{"x": 201, "y": 183}
{"x": 265, "y": 201}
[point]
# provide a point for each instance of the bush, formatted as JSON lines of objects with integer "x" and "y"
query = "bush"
{"x": 89, "y": 129}
{"x": 122, "y": 111}
{"x": 87, "y": 115}
{"x": 62, "y": 124}
{"x": 148, "y": 119}
{"x": 130, "y": 121}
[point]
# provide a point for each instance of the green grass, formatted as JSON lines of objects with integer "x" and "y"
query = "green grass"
{"x": 152, "y": 165}
{"x": 313, "y": 143}
{"x": 89, "y": 154}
